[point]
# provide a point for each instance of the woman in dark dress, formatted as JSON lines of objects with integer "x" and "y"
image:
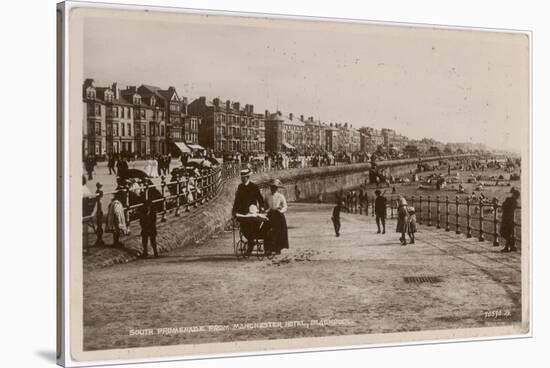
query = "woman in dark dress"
{"x": 276, "y": 206}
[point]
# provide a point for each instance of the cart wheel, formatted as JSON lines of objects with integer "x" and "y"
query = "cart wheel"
{"x": 243, "y": 249}
{"x": 237, "y": 248}
{"x": 260, "y": 251}
{"x": 240, "y": 250}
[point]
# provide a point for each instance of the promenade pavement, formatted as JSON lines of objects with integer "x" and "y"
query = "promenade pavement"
{"x": 357, "y": 280}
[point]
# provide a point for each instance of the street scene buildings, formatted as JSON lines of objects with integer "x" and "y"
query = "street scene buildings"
{"x": 288, "y": 184}
{"x": 147, "y": 120}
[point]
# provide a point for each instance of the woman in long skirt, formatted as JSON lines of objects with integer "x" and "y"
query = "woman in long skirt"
{"x": 276, "y": 205}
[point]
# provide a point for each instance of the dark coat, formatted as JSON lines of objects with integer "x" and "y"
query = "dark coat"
{"x": 507, "y": 221}
{"x": 122, "y": 167}
{"x": 245, "y": 196}
{"x": 148, "y": 222}
{"x": 336, "y": 212}
{"x": 402, "y": 220}
{"x": 380, "y": 204}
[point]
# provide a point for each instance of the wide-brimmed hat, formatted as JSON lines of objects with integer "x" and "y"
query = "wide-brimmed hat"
{"x": 275, "y": 183}
{"x": 402, "y": 201}
{"x": 246, "y": 172}
{"x": 514, "y": 190}
{"x": 377, "y": 192}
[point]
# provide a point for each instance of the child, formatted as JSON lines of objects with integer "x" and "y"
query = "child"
{"x": 412, "y": 223}
{"x": 116, "y": 221}
{"x": 148, "y": 222}
{"x": 336, "y": 217}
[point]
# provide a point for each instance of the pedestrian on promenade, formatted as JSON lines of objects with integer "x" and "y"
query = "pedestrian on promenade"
{"x": 402, "y": 220}
{"x": 89, "y": 165}
{"x": 507, "y": 226}
{"x": 148, "y": 166}
{"x": 148, "y": 223}
{"x": 167, "y": 164}
{"x": 412, "y": 223}
{"x": 276, "y": 206}
{"x": 122, "y": 167}
{"x": 297, "y": 192}
{"x": 116, "y": 221}
{"x": 380, "y": 204}
{"x": 248, "y": 194}
{"x": 157, "y": 164}
{"x": 111, "y": 164}
{"x": 336, "y": 216}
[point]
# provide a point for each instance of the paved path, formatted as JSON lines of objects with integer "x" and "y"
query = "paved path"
{"x": 356, "y": 281}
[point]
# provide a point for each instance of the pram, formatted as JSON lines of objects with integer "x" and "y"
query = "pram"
{"x": 240, "y": 246}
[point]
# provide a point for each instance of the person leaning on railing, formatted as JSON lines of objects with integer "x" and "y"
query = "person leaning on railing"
{"x": 507, "y": 221}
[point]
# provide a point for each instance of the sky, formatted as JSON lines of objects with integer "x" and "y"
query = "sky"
{"x": 450, "y": 85}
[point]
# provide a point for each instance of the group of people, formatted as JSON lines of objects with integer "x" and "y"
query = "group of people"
{"x": 406, "y": 217}
{"x": 157, "y": 166}
{"x": 116, "y": 223}
{"x": 247, "y": 208}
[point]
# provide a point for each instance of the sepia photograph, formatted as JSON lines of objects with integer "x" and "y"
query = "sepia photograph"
{"x": 258, "y": 183}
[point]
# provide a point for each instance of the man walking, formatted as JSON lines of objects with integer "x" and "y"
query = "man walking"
{"x": 111, "y": 164}
{"x": 248, "y": 194}
{"x": 336, "y": 216}
{"x": 380, "y": 204}
{"x": 90, "y": 164}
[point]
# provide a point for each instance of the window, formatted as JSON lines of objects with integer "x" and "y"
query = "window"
{"x": 115, "y": 129}
{"x": 97, "y": 109}
{"x": 97, "y": 128}
{"x": 162, "y": 130}
{"x": 129, "y": 129}
{"x": 122, "y": 130}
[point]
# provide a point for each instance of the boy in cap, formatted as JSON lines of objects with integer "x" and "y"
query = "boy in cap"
{"x": 336, "y": 216}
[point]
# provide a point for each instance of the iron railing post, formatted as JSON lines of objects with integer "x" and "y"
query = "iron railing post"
{"x": 99, "y": 215}
{"x": 495, "y": 222}
{"x": 177, "y": 197}
{"x": 163, "y": 187}
{"x": 456, "y": 216}
{"x": 429, "y": 212}
{"x": 438, "y": 212}
{"x": 420, "y": 210}
{"x": 481, "y": 237}
{"x": 447, "y": 227}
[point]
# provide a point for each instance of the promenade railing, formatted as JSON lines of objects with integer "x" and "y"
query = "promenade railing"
{"x": 461, "y": 214}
